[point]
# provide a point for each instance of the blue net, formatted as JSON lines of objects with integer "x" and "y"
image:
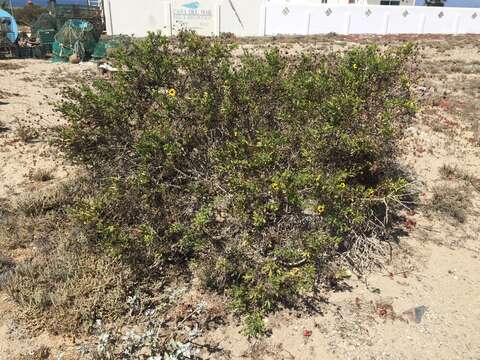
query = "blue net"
{"x": 76, "y": 37}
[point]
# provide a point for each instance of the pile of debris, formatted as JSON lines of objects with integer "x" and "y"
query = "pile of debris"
{"x": 71, "y": 33}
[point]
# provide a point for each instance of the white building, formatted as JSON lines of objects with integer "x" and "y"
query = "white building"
{"x": 392, "y": 2}
{"x": 287, "y": 17}
{"x": 368, "y": 2}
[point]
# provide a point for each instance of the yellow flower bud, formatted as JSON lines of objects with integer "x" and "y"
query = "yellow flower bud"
{"x": 321, "y": 209}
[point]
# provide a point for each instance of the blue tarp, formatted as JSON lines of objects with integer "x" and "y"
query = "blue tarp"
{"x": 12, "y": 36}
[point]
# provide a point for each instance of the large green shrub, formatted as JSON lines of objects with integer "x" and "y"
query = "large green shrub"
{"x": 251, "y": 171}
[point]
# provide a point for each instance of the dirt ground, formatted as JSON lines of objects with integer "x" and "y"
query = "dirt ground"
{"x": 423, "y": 303}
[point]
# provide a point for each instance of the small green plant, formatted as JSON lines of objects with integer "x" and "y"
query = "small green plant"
{"x": 253, "y": 171}
{"x": 254, "y": 325}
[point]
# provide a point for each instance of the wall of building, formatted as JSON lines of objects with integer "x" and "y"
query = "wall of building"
{"x": 137, "y": 17}
{"x": 275, "y": 17}
{"x": 304, "y": 19}
{"x": 392, "y": 2}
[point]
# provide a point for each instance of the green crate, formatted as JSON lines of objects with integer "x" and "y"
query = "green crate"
{"x": 25, "y": 52}
{"x": 39, "y": 52}
{"x": 46, "y": 36}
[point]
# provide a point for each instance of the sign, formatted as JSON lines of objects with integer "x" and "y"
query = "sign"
{"x": 198, "y": 15}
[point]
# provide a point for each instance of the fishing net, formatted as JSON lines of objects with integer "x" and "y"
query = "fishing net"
{"x": 92, "y": 14}
{"x": 108, "y": 44}
{"x": 76, "y": 37}
{"x": 43, "y": 35}
{"x": 44, "y": 22}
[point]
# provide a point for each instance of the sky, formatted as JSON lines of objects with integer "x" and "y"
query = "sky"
{"x": 462, "y": 3}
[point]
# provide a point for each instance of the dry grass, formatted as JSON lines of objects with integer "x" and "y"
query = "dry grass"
{"x": 41, "y": 175}
{"x": 66, "y": 284}
{"x": 5, "y": 65}
{"x": 66, "y": 288}
{"x": 451, "y": 201}
{"x": 472, "y": 86}
{"x": 42, "y": 353}
{"x": 40, "y": 203}
{"x": 453, "y": 172}
{"x": 30, "y": 218}
{"x": 27, "y": 133}
{"x": 476, "y": 132}
{"x": 6, "y": 94}
{"x": 5, "y": 264}
{"x": 450, "y": 172}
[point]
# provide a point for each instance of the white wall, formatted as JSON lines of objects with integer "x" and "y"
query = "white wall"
{"x": 368, "y": 19}
{"x": 137, "y": 17}
{"x": 402, "y": 2}
{"x": 241, "y": 17}
{"x": 288, "y": 17}
{"x": 250, "y": 20}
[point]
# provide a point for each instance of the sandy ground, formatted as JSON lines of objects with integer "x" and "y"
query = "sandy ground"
{"x": 28, "y": 90}
{"x": 435, "y": 268}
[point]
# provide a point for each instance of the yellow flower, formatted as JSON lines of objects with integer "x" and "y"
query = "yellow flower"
{"x": 172, "y": 92}
{"x": 342, "y": 185}
{"x": 276, "y": 186}
{"x": 294, "y": 271}
{"x": 355, "y": 66}
{"x": 321, "y": 209}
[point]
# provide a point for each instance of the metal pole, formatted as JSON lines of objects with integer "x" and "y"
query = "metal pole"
{"x": 11, "y": 7}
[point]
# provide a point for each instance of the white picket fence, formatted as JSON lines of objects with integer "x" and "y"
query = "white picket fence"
{"x": 275, "y": 17}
